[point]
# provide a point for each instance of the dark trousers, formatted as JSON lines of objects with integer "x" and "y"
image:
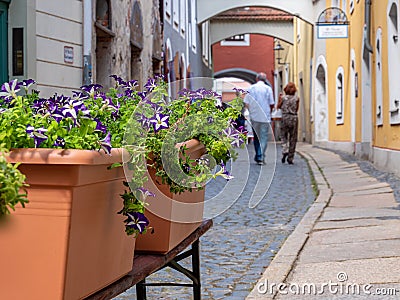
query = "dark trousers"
{"x": 289, "y": 126}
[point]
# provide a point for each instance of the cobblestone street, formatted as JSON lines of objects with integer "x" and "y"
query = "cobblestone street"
{"x": 243, "y": 240}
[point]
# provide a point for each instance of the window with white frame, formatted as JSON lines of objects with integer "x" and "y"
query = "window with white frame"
{"x": 237, "y": 40}
{"x": 168, "y": 10}
{"x": 378, "y": 79}
{"x": 182, "y": 17}
{"x": 340, "y": 95}
{"x": 351, "y": 6}
{"x": 193, "y": 21}
{"x": 393, "y": 61}
{"x": 175, "y": 14}
{"x": 205, "y": 42}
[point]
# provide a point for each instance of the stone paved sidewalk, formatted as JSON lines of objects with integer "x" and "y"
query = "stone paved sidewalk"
{"x": 243, "y": 240}
{"x": 347, "y": 246}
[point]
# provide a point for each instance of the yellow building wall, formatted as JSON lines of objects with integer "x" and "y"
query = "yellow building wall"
{"x": 385, "y": 136}
{"x": 356, "y": 32}
{"x": 337, "y": 55}
{"x": 304, "y": 52}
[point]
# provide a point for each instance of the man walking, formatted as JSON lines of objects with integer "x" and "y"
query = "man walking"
{"x": 260, "y": 101}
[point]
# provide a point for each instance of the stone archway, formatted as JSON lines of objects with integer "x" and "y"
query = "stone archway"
{"x": 304, "y": 9}
{"x": 244, "y": 74}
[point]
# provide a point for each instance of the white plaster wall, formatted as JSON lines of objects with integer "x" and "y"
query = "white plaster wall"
{"x": 58, "y": 24}
{"x": 342, "y": 146}
{"x": 387, "y": 160}
{"x": 321, "y": 126}
{"x": 319, "y": 101}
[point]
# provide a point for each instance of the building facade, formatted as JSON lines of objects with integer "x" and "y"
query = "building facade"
{"x": 355, "y": 84}
{"x": 186, "y": 44}
{"x": 64, "y": 44}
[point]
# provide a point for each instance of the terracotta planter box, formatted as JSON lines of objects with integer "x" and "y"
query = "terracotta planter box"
{"x": 173, "y": 217}
{"x": 68, "y": 242}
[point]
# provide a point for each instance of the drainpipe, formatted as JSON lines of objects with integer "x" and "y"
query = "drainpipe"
{"x": 367, "y": 27}
{"x": 87, "y": 41}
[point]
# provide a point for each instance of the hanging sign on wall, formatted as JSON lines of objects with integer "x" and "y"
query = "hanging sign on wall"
{"x": 332, "y": 24}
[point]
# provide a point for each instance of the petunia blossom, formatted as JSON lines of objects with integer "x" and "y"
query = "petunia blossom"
{"x": 105, "y": 144}
{"x": 223, "y": 172}
{"x": 9, "y": 89}
{"x": 38, "y": 134}
{"x": 136, "y": 221}
{"x": 160, "y": 121}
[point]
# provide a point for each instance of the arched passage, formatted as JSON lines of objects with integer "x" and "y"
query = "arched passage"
{"x": 244, "y": 74}
{"x": 220, "y": 30}
{"x": 206, "y": 9}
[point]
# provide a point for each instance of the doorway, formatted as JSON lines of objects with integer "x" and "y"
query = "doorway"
{"x": 3, "y": 42}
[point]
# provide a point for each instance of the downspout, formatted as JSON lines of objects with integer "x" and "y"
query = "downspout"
{"x": 87, "y": 41}
{"x": 367, "y": 28}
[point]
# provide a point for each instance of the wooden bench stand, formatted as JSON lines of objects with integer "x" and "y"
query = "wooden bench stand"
{"x": 147, "y": 264}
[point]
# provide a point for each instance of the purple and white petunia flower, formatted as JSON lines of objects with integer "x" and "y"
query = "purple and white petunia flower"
{"x": 151, "y": 84}
{"x": 131, "y": 84}
{"x": 137, "y": 221}
{"x": 27, "y": 83}
{"x": 118, "y": 80}
{"x": 77, "y": 95}
{"x": 10, "y": 89}
{"x": 38, "y": 134}
{"x": 71, "y": 108}
{"x": 223, "y": 172}
{"x": 234, "y": 135}
{"x": 160, "y": 121}
{"x": 143, "y": 120}
{"x": 100, "y": 126}
{"x": 146, "y": 192}
{"x": 91, "y": 88}
{"x": 105, "y": 144}
{"x": 59, "y": 142}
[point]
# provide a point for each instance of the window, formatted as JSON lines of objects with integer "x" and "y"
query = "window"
{"x": 351, "y": 6}
{"x": 103, "y": 13}
{"x": 182, "y": 15}
{"x": 193, "y": 25}
{"x": 18, "y": 51}
{"x": 205, "y": 42}
{"x": 175, "y": 14}
{"x": 393, "y": 62}
{"x": 237, "y": 40}
{"x": 339, "y": 95}
{"x": 167, "y": 7}
{"x": 378, "y": 79}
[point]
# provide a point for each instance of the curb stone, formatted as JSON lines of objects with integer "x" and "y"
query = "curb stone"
{"x": 284, "y": 260}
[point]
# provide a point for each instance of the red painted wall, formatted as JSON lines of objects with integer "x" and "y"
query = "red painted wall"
{"x": 258, "y": 57}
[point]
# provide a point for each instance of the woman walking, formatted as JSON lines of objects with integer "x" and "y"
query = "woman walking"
{"x": 289, "y": 104}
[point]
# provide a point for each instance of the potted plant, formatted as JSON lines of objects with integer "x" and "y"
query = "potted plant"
{"x": 68, "y": 241}
{"x": 177, "y": 144}
{"x": 101, "y": 145}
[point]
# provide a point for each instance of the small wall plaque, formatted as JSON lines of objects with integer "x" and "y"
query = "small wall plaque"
{"x": 68, "y": 55}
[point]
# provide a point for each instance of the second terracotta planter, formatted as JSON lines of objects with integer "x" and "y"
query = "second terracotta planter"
{"x": 172, "y": 217}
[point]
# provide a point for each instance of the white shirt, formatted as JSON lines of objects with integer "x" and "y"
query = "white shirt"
{"x": 259, "y": 98}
